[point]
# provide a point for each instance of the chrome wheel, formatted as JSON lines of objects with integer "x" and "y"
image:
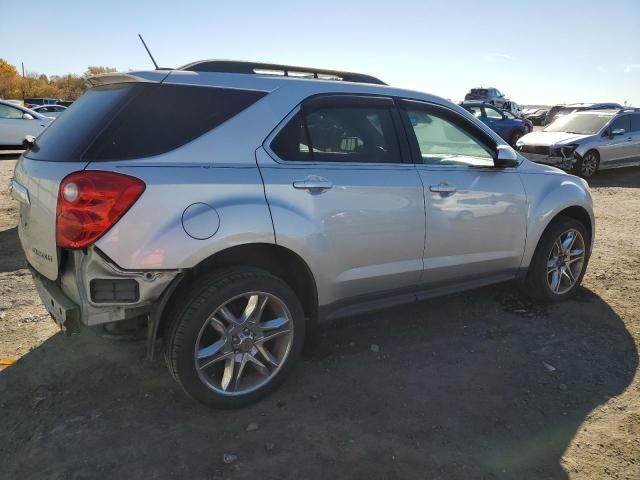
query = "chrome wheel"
{"x": 589, "y": 165}
{"x": 565, "y": 261}
{"x": 244, "y": 343}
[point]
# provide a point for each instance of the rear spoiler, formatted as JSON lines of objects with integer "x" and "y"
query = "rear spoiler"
{"x": 155, "y": 76}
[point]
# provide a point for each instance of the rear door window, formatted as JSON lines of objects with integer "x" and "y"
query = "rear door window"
{"x": 340, "y": 133}
{"x": 620, "y": 123}
{"x": 136, "y": 120}
{"x": 635, "y": 122}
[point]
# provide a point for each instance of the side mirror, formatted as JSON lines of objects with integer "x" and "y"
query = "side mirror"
{"x": 27, "y": 116}
{"x": 617, "y": 131}
{"x": 29, "y": 141}
{"x": 507, "y": 157}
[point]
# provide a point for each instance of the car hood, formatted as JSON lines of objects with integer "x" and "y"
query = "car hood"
{"x": 551, "y": 138}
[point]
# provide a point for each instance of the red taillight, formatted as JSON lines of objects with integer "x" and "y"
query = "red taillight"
{"x": 90, "y": 203}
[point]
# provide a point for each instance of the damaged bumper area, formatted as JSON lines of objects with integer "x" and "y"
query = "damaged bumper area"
{"x": 92, "y": 290}
{"x": 563, "y": 157}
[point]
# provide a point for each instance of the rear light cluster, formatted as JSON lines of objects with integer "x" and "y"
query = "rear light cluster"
{"x": 90, "y": 203}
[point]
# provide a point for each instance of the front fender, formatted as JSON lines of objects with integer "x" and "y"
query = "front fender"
{"x": 549, "y": 195}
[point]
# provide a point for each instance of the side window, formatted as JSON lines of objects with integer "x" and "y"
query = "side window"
{"x": 620, "y": 122}
{"x": 9, "y": 112}
{"x": 635, "y": 122}
{"x": 126, "y": 120}
{"x": 442, "y": 142}
{"x": 475, "y": 111}
{"x": 341, "y": 133}
{"x": 492, "y": 113}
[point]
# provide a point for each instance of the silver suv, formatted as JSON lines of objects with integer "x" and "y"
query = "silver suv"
{"x": 587, "y": 141}
{"x": 235, "y": 205}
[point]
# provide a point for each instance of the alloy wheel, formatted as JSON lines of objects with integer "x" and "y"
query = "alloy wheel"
{"x": 244, "y": 343}
{"x": 565, "y": 261}
{"x": 589, "y": 165}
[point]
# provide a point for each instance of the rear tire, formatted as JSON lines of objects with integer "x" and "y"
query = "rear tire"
{"x": 587, "y": 165}
{"x": 559, "y": 262}
{"x": 515, "y": 136}
{"x": 235, "y": 337}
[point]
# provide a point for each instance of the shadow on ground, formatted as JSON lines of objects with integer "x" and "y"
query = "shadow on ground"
{"x": 12, "y": 257}
{"x": 619, "y": 177}
{"x": 472, "y": 386}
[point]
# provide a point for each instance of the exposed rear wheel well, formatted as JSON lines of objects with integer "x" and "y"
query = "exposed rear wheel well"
{"x": 277, "y": 260}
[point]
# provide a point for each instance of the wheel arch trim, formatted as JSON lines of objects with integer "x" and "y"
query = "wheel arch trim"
{"x": 567, "y": 198}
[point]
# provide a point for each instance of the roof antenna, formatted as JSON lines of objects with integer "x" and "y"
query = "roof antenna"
{"x": 147, "y": 49}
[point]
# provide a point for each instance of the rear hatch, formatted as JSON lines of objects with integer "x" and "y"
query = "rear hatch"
{"x": 59, "y": 151}
{"x": 477, "y": 94}
{"x": 124, "y": 117}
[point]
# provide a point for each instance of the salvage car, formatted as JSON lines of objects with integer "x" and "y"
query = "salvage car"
{"x": 492, "y": 96}
{"x": 16, "y": 122}
{"x": 503, "y": 123}
{"x": 587, "y": 141}
{"x": 536, "y": 116}
{"x": 50, "y": 110}
{"x": 234, "y": 205}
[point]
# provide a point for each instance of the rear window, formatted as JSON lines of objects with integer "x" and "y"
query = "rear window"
{"x": 137, "y": 120}
{"x": 479, "y": 91}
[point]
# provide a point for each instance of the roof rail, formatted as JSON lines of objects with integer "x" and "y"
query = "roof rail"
{"x": 628, "y": 109}
{"x": 230, "y": 66}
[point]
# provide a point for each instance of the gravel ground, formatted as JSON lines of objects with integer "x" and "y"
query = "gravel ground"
{"x": 476, "y": 386}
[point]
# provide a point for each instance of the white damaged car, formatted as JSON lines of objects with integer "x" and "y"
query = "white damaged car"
{"x": 587, "y": 141}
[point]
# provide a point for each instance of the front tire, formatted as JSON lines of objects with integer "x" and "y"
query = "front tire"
{"x": 587, "y": 165}
{"x": 235, "y": 338}
{"x": 559, "y": 262}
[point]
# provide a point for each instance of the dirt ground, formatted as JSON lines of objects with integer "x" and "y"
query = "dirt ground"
{"x": 476, "y": 386}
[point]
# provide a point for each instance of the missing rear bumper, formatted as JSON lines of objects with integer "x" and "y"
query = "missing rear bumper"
{"x": 61, "y": 308}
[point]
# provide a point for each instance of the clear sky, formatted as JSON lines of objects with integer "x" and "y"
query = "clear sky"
{"x": 535, "y": 51}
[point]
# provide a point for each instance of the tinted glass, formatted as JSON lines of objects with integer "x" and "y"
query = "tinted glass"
{"x": 292, "y": 142}
{"x": 620, "y": 123}
{"x": 635, "y": 122}
{"x": 9, "y": 112}
{"x": 69, "y": 136}
{"x": 126, "y": 121}
{"x": 340, "y": 134}
{"x": 443, "y": 143}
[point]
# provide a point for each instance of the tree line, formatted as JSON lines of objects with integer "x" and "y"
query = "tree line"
{"x": 65, "y": 87}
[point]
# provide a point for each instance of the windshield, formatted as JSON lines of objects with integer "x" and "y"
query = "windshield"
{"x": 584, "y": 124}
